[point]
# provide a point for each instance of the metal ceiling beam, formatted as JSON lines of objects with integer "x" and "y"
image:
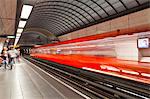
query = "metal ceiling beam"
{"x": 111, "y": 6}
{"x": 47, "y": 26}
{"x": 50, "y": 27}
{"x": 60, "y": 11}
{"x": 60, "y": 14}
{"x": 100, "y": 7}
{"x": 56, "y": 13}
{"x": 39, "y": 25}
{"x": 80, "y": 1}
{"x": 51, "y": 30}
{"x": 63, "y": 2}
{"x": 61, "y": 21}
{"x": 138, "y": 2}
{"x": 123, "y": 4}
{"x": 43, "y": 8}
{"x": 55, "y": 5}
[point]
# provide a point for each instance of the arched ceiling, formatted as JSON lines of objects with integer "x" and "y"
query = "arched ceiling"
{"x": 60, "y": 17}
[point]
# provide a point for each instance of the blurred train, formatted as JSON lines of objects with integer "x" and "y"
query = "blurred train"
{"x": 99, "y": 55}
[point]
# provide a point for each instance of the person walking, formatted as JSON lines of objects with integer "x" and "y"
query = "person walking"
{"x": 18, "y": 55}
{"x": 11, "y": 56}
{"x": 4, "y": 56}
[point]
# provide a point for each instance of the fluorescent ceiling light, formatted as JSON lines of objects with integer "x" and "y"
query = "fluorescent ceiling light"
{"x": 16, "y": 41}
{"x": 20, "y": 30}
{"x": 26, "y": 10}
{"x": 22, "y": 23}
{"x": 10, "y": 36}
{"x": 18, "y": 34}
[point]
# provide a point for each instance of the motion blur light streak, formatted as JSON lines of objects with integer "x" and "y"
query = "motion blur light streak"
{"x": 94, "y": 63}
{"x": 144, "y": 74}
{"x": 130, "y": 72}
{"x": 99, "y": 56}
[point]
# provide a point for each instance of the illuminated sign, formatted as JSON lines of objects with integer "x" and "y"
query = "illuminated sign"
{"x": 143, "y": 43}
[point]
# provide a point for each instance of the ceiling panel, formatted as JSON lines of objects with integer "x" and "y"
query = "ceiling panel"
{"x": 7, "y": 16}
{"x": 8, "y": 27}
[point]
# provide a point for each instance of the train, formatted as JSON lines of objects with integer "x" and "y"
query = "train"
{"x": 99, "y": 55}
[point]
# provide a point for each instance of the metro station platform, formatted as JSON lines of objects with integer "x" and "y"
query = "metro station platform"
{"x": 26, "y": 82}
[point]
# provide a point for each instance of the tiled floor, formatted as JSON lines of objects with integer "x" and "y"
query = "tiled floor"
{"x": 24, "y": 83}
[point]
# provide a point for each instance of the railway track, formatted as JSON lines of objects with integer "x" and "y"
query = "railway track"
{"x": 99, "y": 85}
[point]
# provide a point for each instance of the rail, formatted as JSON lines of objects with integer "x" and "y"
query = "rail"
{"x": 101, "y": 85}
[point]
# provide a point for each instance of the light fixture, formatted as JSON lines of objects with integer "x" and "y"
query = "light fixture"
{"x": 22, "y": 24}
{"x": 11, "y": 36}
{"x": 19, "y": 30}
{"x": 17, "y": 37}
{"x": 18, "y": 34}
{"x": 16, "y": 41}
{"x": 26, "y": 10}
